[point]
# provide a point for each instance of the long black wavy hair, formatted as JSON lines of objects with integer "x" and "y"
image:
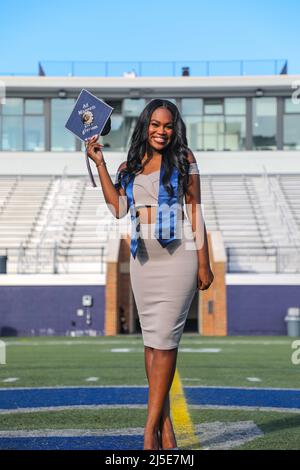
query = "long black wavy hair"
{"x": 173, "y": 155}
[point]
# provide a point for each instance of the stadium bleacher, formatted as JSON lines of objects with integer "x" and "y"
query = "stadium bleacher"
{"x": 64, "y": 226}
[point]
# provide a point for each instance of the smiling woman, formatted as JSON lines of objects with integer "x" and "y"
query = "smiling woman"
{"x": 168, "y": 264}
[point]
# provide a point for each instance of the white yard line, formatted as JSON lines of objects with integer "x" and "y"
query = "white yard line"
{"x": 214, "y": 435}
{"x": 202, "y": 350}
{"x": 68, "y": 408}
{"x": 243, "y": 387}
{"x": 118, "y": 350}
{"x": 104, "y": 342}
{"x": 56, "y": 387}
{"x": 72, "y": 432}
{"x": 110, "y": 407}
{"x": 244, "y": 408}
{"x": 63, "y": 387}
{"x": 11, "y": 379}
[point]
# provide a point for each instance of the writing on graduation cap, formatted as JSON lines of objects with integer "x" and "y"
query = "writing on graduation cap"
{"x": 87, "y": 117}
{"x": 85, "y": 108}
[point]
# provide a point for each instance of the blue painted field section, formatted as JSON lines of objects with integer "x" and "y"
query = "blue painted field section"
{"x": 72, "y": 443}
{"x": 42, "y": 398}
{"x": 243, "y": 397}
{"x": 38, "y": 397}
{"x": 51, "y": 397}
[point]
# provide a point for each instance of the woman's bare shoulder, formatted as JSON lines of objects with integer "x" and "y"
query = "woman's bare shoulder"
{"x": 123, "y": 166}
{"x": 191, "y": 157}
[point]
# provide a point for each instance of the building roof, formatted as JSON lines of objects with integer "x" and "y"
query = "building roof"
{"x": 149, "y": 86}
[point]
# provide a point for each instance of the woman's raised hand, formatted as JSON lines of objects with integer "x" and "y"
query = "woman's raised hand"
{"x": 94, "y": 149}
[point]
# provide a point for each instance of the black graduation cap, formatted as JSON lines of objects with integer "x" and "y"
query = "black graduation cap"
{"x": 107, "y": 127}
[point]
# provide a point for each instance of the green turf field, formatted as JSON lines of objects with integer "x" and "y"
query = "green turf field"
{"x": 250, "y": 362}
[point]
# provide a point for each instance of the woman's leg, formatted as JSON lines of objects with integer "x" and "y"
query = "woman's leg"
{"x": 167, "y": 438}
{"x": 163, "y": 365}
{"x": 148, "y": 366}
{"x": 167, "y": 435}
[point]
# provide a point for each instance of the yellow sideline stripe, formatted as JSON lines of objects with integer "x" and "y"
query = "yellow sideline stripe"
{"x": 183, "y": 425}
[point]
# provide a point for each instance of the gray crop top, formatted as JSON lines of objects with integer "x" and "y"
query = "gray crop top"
{"x": 145, "y": 187}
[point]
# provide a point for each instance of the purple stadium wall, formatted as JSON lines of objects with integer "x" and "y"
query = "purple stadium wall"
{"x": 260, "y": 309}
{"x": 41, "y": 310}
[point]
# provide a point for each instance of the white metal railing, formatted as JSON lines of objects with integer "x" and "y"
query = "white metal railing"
{"x": 58, "y": 260}
{"x": 28, "y": 257}
{"x": 276, "y": 259}
{"x": 9, "y": 194}
{"x": 280, "y": 205}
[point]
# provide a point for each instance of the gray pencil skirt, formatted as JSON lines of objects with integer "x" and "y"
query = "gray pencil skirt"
{"x": 164, "y": 282}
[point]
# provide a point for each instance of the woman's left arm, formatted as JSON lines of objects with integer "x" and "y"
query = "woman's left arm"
{"x": 194, "y": 211}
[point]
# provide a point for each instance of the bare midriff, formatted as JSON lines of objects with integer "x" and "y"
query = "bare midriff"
{"x": 147, "y": 214}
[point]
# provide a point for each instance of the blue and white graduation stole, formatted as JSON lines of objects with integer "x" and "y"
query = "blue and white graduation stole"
{"x": 166, "y": 216}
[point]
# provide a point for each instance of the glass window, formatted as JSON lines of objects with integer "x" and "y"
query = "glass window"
{"x": 132, "y": 107}
{"x": 23, "y": 125}
{"x": 125, "y": 124}
{"x": 222, "y": 127}
{"x": 191, "y": 110}
{"x": 34, "y": 133}
{"x": 173, "y": 100}
{"x": 12, "y": 133}
{"x": 264, "y": 123}
{"x": 213, "y": 124}
{"x": 291, "y": 106}
{"x": 116, "y": 138}
{"x": 61, "y": 138}
{"x": 213, "y": 128}
{"x": 291, "y": 132}
{"x": 191, "y": 106}
{"x": 194, "y": 131}
{"x": 12, "y": 125}
{"x": 235, "y": 133}
{"x": 213, "y": 106}
{"x": 13, "y": 106}
{"x": 34, "y": 107}
{"x": 235, "y": 106}
{"x": 235, "y": 123}
{"x": 291, "y": 125}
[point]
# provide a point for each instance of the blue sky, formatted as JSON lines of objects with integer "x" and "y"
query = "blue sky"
{"x": 34, "y": 30}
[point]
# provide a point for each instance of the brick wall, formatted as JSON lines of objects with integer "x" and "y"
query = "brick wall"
{"x": 213, "y": 311}
{"x": 118, "y": 288}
